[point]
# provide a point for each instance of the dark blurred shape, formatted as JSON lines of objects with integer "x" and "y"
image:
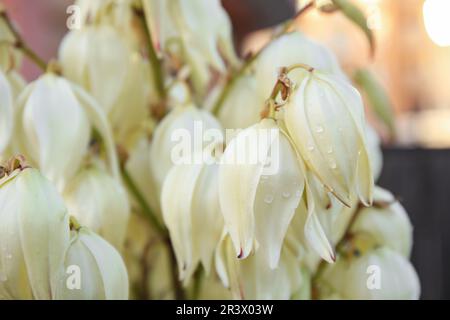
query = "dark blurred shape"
{"x": 421, "y": 180}
{"x": 252, "y": 15}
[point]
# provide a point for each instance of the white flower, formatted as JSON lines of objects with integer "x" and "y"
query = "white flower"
{"x": 101, "y": 68}
{"x": 287, "y": 50}
{"x": 378, "y": 274}
{"x": 99, "y": 202}
{"x": 53, "y": 122}
{"x": 253, "y": 279}
{"x": 387, "y": 222}
{"x": 258, "y": 208}
{"x": 325, "y": 119}
{"x": 191, "y": 211}
{"x": 131, "y": 108}
{"x": 6, "y": 112}
{"x": 34, "y": 234}
{"x": 97, "y": 265}
{"x": 182, "y": 119}
{"x": 198, "y": 30}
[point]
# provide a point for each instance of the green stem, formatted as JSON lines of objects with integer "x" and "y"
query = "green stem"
{"x": 20, "y": 43}
{"x": 240, "y": 72}
{"x": 155, "y": 62}
{"x": 230, "y": 84}
{"x": 147, "y": 211}
{"x": 177, "y": 287}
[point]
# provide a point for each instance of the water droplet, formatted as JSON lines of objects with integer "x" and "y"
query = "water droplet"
{"x": 330, "y": 150}
{"x": 298, "y": 193}
{"x": 268, "y": 199}
{"x": 310, "y": 147}
{"x": 319, "y": 129}
{"x": 286, "y": 194}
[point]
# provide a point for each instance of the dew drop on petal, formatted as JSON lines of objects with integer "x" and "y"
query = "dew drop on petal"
{"x": 319, "y": 129}
{"x": 268, "y": 199}
{"x": 330, "y": 150}
{"x": 310, "y": 147}
{"x": 286, "y": 194}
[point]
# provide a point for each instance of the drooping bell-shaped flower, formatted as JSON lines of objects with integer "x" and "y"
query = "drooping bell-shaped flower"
{"x": 99, "y": 202}
{"x": 130, "y": 110}
{"x": 252, "y": 278}
{"x": 260, "y": 186}
{"x": 191, "y": 211}
{"x": 53, "y": 123}
{"x": 34, "y": 233}
{"x": 378, "y": 274}
{"x": 92, "y": 269}
{"x": 289, "y": 49}
{"x": 197, "y": 31}
{"x": 179, "y": 133}
{"x": 101, "y": 69}
{"x": 325, "y": 119}
{"x": 387, "y": 222}
{"x": 6, "y": 112}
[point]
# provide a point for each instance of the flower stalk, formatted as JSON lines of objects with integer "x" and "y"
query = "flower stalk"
{"x": 20, "y": 43}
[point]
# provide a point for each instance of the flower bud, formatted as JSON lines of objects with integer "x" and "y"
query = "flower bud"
{"x": 99, "y": 202}
{"x": 101, "y": 68}
{"x": 92, "y": 270}
{"x": 34, "y": 234}
{"x": 183, "y": 122}
{"x": 379, "y": 274}
{"x": 191, "y": 211}
{"x": 258, "y": 205}
{"x": 287, "y": 50}
{"x": 54, "y": 119}
{"x": 387, "y": 222}
{"x": 6, "y": 112}
{"x": 325, "y": 119}
{"x": 253, "y": 279}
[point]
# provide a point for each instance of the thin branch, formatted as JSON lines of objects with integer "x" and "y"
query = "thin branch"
{"x": 155, "y": 62}
{"x": 20, "y": 44}
{"x": 143, "y": 203}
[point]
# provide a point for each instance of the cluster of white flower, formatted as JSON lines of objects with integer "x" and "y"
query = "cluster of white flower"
{"x": 302, "y": 220}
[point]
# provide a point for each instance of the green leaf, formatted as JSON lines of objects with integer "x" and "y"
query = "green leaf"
{"x": 377, "y": 98}
{"x": 355, "y": 15}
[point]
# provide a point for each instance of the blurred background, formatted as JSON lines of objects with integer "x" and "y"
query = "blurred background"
{"x": 412, "y": 63}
